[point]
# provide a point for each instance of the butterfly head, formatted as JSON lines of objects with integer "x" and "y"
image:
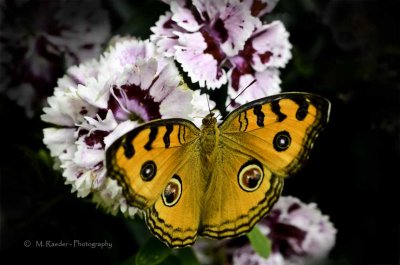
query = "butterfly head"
{"x": 209, "y": 120}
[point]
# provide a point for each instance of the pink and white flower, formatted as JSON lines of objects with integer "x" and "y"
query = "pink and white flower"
{"x": 200, "y": 36}
{"x": 267, "y": 50}
{"x": 220, "y": 42}
{"x": 299, "y": 233}
{"x": 98, "y": 101}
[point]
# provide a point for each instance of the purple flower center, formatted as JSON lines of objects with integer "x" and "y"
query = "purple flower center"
{"x": 213, "y": 35}
{"x": 95, "y": 137}
{"x": 242, "y": 62}
{"x": 283, "y": 235}
{"x": 257, "y": 7}
{"x": 131, "y": 102}
{"x": 213, "y": 45}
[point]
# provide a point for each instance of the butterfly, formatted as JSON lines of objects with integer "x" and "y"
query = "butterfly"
{"x": 219, "y": 180}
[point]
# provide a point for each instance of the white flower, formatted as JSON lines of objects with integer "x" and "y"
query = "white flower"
{"x": 98, "y": 101}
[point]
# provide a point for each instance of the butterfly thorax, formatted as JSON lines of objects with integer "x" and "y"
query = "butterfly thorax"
{"x": 209, "y": 135}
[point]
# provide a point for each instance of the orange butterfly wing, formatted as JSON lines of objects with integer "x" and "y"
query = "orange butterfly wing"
{"x": 274, "y": 135}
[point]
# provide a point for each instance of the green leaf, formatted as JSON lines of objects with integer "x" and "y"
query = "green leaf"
{"x": 260, "y": 242}
{"x": 187, "y": 256}
{"x": 153, "y": 252}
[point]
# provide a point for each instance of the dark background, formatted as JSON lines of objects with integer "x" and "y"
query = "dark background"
{"x": 347, "y": 51}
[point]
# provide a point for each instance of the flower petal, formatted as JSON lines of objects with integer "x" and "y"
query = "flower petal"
{"x": 96, "y": 92}
{"x": 201, "y": 67}
{"x": 66, "y": 108}
{"x": 181, "y": 98}
{"x": 267, "y": 84}
{"x": 58, "y": 140}
{"x": 230, "y": 20}
{"x": 202, "y": 105}
{"x": 239, "y": 24}
{"x": 271, "y": 45}
{"x": 88, "y": 157}
{"x": 246, "y": 256}
{"x": 165, "y": 82}
{"x": 120, "y": 130}
{"x": 83, "y": 185}
{"x": 108, "y": 124}
{"x": 125, "y": 52}
{"x": 184, "y": 17}
{"x": 163, "y": 35}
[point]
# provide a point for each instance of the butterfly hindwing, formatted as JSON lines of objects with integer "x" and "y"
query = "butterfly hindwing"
{"x": 175, "y": 216}
{"x": 234, "y": 204}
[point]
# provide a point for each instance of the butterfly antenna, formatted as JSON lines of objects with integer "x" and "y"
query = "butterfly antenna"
{"x": 232, "y": 100}
{"x": 252, "y": 82}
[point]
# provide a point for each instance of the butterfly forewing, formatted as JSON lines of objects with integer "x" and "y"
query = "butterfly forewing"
{"x": 144, "y": 159}
{"x": 278, "y": 130}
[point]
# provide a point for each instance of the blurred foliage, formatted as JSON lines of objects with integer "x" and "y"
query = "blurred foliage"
{"x": 347, "y": 51}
